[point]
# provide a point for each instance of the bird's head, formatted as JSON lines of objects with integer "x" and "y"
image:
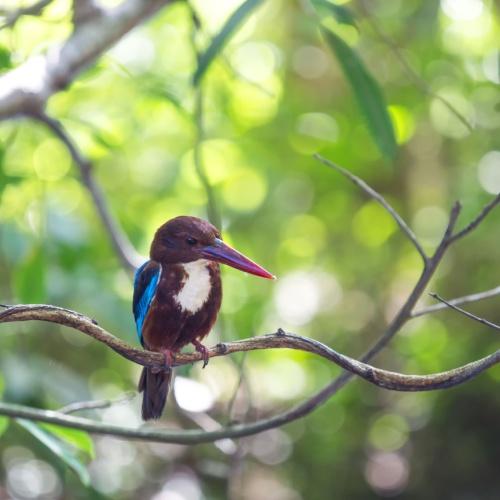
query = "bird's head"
{"x": 187, "y": 239}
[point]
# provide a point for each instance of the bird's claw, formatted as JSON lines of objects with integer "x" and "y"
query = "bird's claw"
{"x": 202, "y": 350}
{"x": 169, "y": 359}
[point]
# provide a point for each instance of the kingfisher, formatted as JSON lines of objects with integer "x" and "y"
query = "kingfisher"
{"x": 177, "y": 296}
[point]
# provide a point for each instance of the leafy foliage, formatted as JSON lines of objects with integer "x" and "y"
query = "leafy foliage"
{"x": 222, "y": 38}
{"x": 59, "y": 447}
{"x": 367, "y": 92}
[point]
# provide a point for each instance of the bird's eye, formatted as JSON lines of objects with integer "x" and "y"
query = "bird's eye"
{"x": 191, "y": 241}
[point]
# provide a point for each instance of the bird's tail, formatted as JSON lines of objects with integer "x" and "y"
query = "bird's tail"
{"x": 155, "y": 386}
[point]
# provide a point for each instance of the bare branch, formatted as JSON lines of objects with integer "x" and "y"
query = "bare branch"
{"x": 403, "y": 315}
{"x": 480, "y": 217}
{"x": 281, "y": 340}
{"x": 27, "y": 88}
{"x": 379, "y": 377}
{"x": 99, "y": 404}
{"x": 466, "y": 313}
{"x": 84, "y": 11}
{"x": 417, "y": 79}
{"x": 124, "y": 249}
{"x": 466, "y": 299}
{"x": 378, "y": 198}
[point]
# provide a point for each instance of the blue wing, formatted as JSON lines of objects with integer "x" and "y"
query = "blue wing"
{"x": 145, "y": 284}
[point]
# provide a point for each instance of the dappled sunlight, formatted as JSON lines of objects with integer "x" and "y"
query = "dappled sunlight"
{"x": 192, "y": 395}
{"x": 387, "y": 473}
{"x": 219, "y": 110}
{"x": 489, "y": 172}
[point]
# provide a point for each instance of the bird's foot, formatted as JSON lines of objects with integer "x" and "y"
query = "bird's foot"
{"x": 169, "y": 360}
{"x": 202, "y": 350}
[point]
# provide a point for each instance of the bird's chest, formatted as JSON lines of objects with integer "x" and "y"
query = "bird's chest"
{"x": 185, "y": 305}
{"x": 195, "y": 287}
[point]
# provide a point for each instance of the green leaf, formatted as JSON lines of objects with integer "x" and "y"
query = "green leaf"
{"x": 342, "y": 14}
{"x": 77, "y": 438}
{"x": 60, "y": 448}
{"x": 29, "y": 278}
{"x": 5, "y": 58}
{"x": 367, "y": 92}
{"x": 220, "y": 40}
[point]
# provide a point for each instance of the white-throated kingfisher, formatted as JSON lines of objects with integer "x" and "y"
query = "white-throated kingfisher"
{"x": 177, "y": 296}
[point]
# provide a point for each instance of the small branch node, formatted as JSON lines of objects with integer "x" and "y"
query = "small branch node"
{"x": 221, "y": 348}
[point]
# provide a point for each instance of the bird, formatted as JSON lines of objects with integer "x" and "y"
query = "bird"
{"x": 177, "y": 297}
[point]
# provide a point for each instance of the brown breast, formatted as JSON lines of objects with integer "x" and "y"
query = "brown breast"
{"x": 185, "y": 305}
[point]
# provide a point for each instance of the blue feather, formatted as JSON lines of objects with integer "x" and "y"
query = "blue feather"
{"x": 145, "y": 284}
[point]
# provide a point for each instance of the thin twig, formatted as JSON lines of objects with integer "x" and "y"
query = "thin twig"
{"x": 417, "y": 79}
{"x": 473, "y": 297}
{"x": 241, "y": 378}
{"x": 466, "y": 313}
{"x": 378, "y": 198}
{"x": 99, "y": 404}
{"x": 124, "y": 249}
{"x": 480, "y": 217}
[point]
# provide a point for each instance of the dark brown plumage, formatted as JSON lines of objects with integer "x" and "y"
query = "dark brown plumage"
{"x": 177, "y": 296}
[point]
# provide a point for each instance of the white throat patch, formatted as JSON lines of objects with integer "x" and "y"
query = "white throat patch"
{"x": 196, "y": 288}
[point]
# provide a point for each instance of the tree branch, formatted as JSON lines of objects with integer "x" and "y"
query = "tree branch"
{"x": 123, "y": 248}
{"x": 430, "y": 267}
{"x": 477, "y": 220}
{"x": 466, "y": 313}
{"x": 84, "y": 11}
{"x": 95, "y": 404}
{"x": 474, "y": 297}
{"x": 26, "y": 89}
{"x": 281, "y": 340}
{"x": 378, "y": 198}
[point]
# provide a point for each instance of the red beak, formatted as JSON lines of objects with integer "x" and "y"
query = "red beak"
{"x": 220, "y": 252}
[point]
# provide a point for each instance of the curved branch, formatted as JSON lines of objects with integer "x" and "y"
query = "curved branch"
{"x": 123, "y": 248}
{"x": 280, "y": 340}
{"x": 474, "y": 223}
{"x": 382, "y": 378}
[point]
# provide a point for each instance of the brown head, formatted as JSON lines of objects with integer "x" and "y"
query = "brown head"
{"x": 187, "y": 239}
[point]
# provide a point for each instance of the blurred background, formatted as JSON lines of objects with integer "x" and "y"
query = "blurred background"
{"x": 277, "y": 93}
